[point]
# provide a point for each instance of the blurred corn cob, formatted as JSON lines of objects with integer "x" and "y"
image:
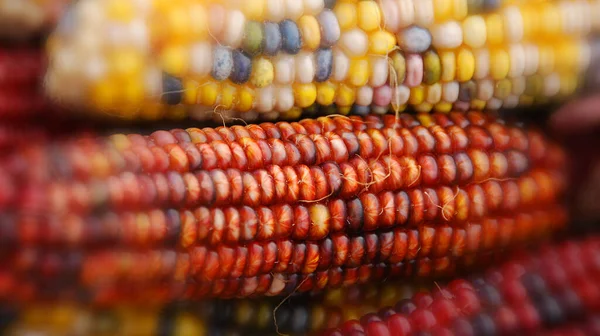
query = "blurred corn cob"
{"x": 24, "y": 19}
{"x": 21, "y": 91}
{"x": 552, "y": 291}
{"x": 269, "y": 59}
{"x": 530, "y": 294}
{"x": 274, "y": 208}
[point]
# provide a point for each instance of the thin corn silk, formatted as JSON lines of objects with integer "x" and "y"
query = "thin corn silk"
{"x": 270, "y": 59}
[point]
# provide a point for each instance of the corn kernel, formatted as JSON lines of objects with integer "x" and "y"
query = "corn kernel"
{"x": 382, "y": 42}
{"x": 175, "y": 60}
{"x": 465, "y": 65}
{"x": 369, "y": 16}
{"x": 326, "y": 93}
{"x": 209, "y": 93}
{"x": 311, "y": 32}
{"x": 346, "y": 14}
{"x": 262, "y": 72}
{"x": 359, "y": 72}
{"x": 500, "y": 64}
{"x": 245, "y": 99}
{"x": 305, "y": 94}
{"x": 345, "y": 95}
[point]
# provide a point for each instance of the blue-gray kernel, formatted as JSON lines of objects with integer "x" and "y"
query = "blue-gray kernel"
{"x": 324, "y": 62}
{"x": 222, "y": 63}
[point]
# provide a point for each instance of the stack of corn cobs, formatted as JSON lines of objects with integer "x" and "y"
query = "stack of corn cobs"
{"x": 302, "y": 226}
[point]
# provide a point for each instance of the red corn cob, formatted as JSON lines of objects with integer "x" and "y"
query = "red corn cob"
{"x": 531, "y": 293}
{"x": 21, "y": 91}
{"x": 251, "y": 211}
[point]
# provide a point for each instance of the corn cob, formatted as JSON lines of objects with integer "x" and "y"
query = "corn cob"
{"x": 359, "y": 199}
{"x": 549, "y": 292}
{"x": 530, "y": 293}
{"x": 21, "y": 94}
{"x": 24, "y": 19}
{"x": 271, "y": 58}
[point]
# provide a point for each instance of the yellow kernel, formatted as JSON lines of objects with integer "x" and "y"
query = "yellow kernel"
{"x": 305, "y": 94}
{"x": 460, "y": 8}
{"x": 254, "y": 9}
{"x": 190, "y": 92}
{"x": 526, "y": 100}
{"x": 104, "y": 94}
{"x": 245, "y": 99}
{"x": 358, "y": 72}
{"x": 443, "y": 107}
{"x": 345, "y": 95}
{"x": 120, "y": 141}
{"x": 550, "y": 19}
{"x": 177, "y": 23}
{"x": 478, "y": 104}
{"x": 369, "y": 16}
{"x": 120, "y": 10}
{"x": 346, "y": 15}
{"x": 474, "y": 31}
{"x": 417, "y": 95}
{"x": 568, "y": 84}
{"x": 310, "y": 31}
{"x": 448, "y": 61}
{"x": 530, "y": 17}
{"x": 175, "y": 60}
{"x": 126, "y": 62}
{"x": 132, "y": 92}
{"x": 442, "y": 10}
{"x": 568, "y": 54}
{"x": 499, "y": 64}
{"x": 494, "y": 26}
{"x": 465, "y": 65}
{"x": 424, "y": 107}
{"x": 382, "y": 42}
{"x": 199, "y": 21}
{"x": 152, "y": 111}
{"x": 177, "y": 112}
{"x": 293, "y": 114}
{"x": 209, "y": 93}
{"x": 262, "y": 72}
{"x": 326, "y": 93}
{"x": 228, "y": 96}
{"x": 546, "y": 62}
{"x": 344, "y": 110}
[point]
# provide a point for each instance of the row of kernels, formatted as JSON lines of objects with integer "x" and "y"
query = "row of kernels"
{"x": 290, "y": 35}
{"x": 514, "y": 25}
{"x": 276, "y": 10}
{"x": 464, "y": 64}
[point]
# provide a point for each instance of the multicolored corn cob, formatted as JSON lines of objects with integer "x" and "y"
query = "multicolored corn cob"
{"x": 26, "y": 18}
{"x": 271, "y": 209}
{"x": 269, "y": 59}
{"x": 532, "y": 293}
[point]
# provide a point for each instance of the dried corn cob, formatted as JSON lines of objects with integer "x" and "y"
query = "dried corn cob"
{"x": 49, "y": 284}
{"x": 21, "y": 93}
{"x": 26, "y": 18}
{"x": 355, "y": 199}
{"x": 550, "y": 292}
{"x": 531, "y": 293}
{"x": 214, "y": 166}
{"x": 269, "y": 57}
